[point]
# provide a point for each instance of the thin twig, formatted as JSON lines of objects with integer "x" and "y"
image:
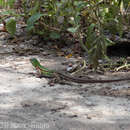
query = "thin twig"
{"x": 84, "y": 65}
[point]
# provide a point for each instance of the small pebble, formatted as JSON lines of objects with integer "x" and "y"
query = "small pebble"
{"x": 70, "y": 65}
{"x": 51, "y": 84}
{"x": 69, "y": 69}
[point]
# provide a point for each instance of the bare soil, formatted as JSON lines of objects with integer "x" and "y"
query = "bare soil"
{"x": 28, "y": 102}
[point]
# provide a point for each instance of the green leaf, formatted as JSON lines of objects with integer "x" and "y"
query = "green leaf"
{"x": 35, "y": 8}
{"x": 41, "y": 32}
{"x": 11, "y": 26}
{"x": 91, "y": 27}
{"x": 5, "y": 13}
{"x": 31, "y": 21}
{"x": 108, "y": 41}
{"x": 54, "y": 35}
{"x": 73, "y": 29}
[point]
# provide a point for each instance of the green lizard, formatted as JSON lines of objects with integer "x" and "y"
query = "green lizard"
{"x": 45, "y": 72}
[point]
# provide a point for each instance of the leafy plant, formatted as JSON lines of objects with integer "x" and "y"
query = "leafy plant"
{"x": 8, "y": 18}
{"x": 11, "y": 26}
{"x": 85, "y": 20}
{"x": 32, "y": 20}
{"x": 7, "y": 3}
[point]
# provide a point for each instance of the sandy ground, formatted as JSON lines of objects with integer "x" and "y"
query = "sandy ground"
{"x": 29, "y": 103}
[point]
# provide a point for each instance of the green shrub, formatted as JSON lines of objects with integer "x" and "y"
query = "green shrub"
{"x": 85, "y": 20}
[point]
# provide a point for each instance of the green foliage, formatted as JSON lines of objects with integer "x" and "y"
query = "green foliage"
{"x": 32, "y": 20}
{"x": 84, "y": 19}
{"x": 54, "y": 35}
{"x": 7, "y": 3}
{"x": 73, "y": 29}
{"x": 8, "y": 18}
{"x": 11, "y": 26}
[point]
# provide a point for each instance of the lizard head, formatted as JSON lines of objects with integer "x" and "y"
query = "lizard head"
{"x": 34, "y": 62}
